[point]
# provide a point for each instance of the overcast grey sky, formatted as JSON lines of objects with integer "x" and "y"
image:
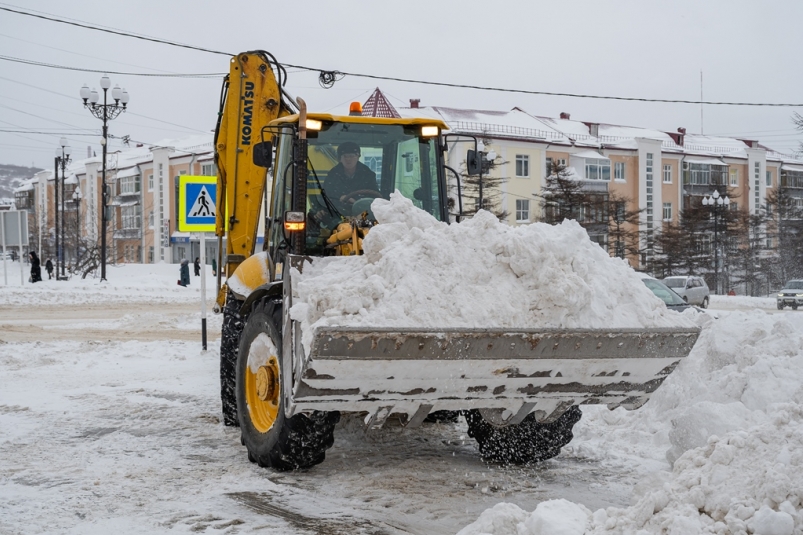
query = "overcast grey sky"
{"x": 748, "y": 51}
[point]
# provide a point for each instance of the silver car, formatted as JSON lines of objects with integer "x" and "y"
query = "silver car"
{"x": 791, "y": 295}
{"x": 692, "y": 289}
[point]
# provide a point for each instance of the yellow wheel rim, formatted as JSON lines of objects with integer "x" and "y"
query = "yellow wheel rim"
{"x": 263, "y": 383}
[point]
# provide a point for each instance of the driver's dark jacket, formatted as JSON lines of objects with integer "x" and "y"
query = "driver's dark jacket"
{"x": 337, "y": 184}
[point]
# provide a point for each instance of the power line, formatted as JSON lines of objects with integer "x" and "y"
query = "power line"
{"x": 48, "y": 133}
{"x": 116, "y": 32}
{"x": 329, "y": 75}
{"x": 130, "y": 112}
{"x": 153, "y": 75}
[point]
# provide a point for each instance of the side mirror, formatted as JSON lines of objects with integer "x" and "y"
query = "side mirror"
{"x": 263, "y": 154}
{"x": 473, "y": 162}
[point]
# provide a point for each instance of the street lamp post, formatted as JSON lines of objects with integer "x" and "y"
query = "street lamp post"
{"x": 76, "y": 199}
{"x": 716, "y": 203}
{"x": 62, "y": 159}
{"x": 483, "y": 158}
{"x": 105, "y": 112}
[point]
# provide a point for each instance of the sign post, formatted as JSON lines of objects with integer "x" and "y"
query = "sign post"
{"x": 196, "y": 213}
{"x": 14, "y": 233}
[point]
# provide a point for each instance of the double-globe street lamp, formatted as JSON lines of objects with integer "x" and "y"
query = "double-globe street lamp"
{"x": 716, "y": 203}
{"x": 105, "y": 112}
{"x": 62, "y": 159}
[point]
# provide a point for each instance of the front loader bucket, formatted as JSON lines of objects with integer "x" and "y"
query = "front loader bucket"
{"x": 506, "y": 374}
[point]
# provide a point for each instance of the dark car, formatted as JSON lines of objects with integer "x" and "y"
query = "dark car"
{"x": 663, "y": 292}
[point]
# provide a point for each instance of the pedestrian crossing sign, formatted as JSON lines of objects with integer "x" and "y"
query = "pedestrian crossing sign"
{"x": 197, "y": 197}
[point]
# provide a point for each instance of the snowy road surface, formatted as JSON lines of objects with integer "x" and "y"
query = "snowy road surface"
{"x": 110, "y": 423}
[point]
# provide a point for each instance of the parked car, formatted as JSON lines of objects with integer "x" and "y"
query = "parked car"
{"x": 672, "y": 300}
{"x": 791, "y": 295}
{"x": 9, "y": 255}
{"x": 692, "y": 289}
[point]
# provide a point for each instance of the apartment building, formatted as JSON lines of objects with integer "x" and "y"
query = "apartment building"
{"x": 142, "y": 202}
{"x": 659, "y": 173}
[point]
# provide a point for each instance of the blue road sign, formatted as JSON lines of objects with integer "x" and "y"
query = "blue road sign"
{"x": 197, "y": 196}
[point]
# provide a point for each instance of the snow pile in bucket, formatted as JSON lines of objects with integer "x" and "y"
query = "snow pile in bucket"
{"x": 730, "y": 418}
{"x": 419, "y": 272}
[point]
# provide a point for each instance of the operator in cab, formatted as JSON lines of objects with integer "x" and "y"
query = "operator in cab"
{"x": 350, "y": 180}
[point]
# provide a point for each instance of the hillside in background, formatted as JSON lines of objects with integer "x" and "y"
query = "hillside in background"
{"x": 11, "y": 176}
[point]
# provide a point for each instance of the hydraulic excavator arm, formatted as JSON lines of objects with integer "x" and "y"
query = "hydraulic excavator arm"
{"x": 251, "y": 97}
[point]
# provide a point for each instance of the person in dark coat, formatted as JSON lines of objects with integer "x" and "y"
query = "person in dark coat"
{"x": 348, "y": 177}
{"x": 185, "y": 273}
{"x": 36, "y": 267}
{"x": 214, "y": 267}
{"x": 49, "y": 268}
{"x": 197, "y": 266}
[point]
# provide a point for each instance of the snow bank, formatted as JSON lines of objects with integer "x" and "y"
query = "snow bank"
{"x": 153, "y": 283}
{"x": 731, "y": 419}
{"x": 419, "y": 272}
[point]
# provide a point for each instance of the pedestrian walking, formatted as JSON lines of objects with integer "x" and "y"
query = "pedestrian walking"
{"x": 36, "y": 267}
{"x": 185, "y": 273}
{"x": 214, "y": 268}
{"x": 197, "y": 266}
{"x": 49, "y": 269}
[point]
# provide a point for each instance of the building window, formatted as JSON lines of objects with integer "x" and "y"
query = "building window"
{"x": 703, "y": 174}
{"x": 522, "y": 165}
{"x": 24, "y": 199}
{"x": 129, "y": 185}
{"x": 522, "y": 210}
{"x": 150, "y": 219}
{"x": 769, "y": 179}
{"x": 597, "y": 169}
{"x": 757, "y": 183}
{"x": 150, "y": 254}
{"x": 667, "y": 174}
{"x": 150, "y": 182}
{"x": 667, "y": 211}
{"x": 130, "y": 216}
{"x": 734, "y": 173}
{"x": 182, "y": 253}
{"x": 619, "y": 170}
{"x": 560, "y": 162}
{"x": 209, "y": 169}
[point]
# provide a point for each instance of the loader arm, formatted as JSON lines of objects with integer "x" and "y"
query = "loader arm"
{"x": 251, "y": 98}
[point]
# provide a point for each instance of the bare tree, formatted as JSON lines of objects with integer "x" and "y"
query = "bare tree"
{"x": 491, "y": 183}
{"x": 563, "y": 196}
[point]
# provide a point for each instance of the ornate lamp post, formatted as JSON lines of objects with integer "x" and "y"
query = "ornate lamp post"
{"x": 716, "y": 203}
{"x": 76, "y": 199}
{"x": 62, "y": 159}
{"x": 105, "y": 112}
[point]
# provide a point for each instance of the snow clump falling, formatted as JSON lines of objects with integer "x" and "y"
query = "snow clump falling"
{"x": 419, "y": 272}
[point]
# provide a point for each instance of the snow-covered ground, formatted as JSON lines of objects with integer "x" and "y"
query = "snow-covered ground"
{"x": 109, "y": 423}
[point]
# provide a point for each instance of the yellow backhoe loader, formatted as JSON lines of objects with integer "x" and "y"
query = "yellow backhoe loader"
{"x": 518, "y": 390}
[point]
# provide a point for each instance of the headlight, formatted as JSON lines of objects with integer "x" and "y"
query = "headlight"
{"x": 798, "y": 295}
{"x": 780, "y": 295}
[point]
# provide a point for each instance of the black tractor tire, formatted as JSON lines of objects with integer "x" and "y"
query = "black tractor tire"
{"x": 704, "y": 304}
{"x": 278, "y": 442}
{"x": 794, "y": 306}
{"x": 233, "y": 324}
{"x": 780, "y": 306}
{"x": 524, "y": 443}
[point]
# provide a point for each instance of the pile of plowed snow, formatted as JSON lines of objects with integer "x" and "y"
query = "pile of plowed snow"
{"x": 420, "y": 272}
{"x": 730, "y": 418}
